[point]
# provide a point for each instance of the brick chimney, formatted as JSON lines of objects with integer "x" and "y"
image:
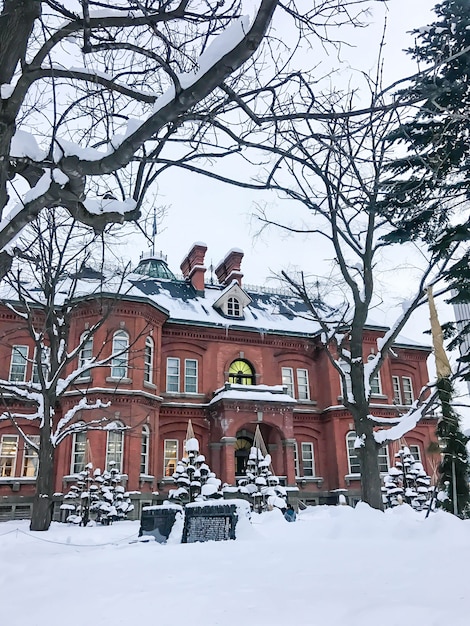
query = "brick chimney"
{"x": 228, "y": 270}
{"x": 193, "y": 267}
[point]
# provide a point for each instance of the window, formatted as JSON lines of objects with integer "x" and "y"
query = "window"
{"x": 114, "y": 448}
{"x": 144, "y": 450}
{"x": 19, "y": 359}
{"x": 346, "y": 370}
{"x": 44, "y": 364}
{"x": 303, "y": 392}
{"x": 241, "y": 373}
{"x": 308, "y": 466}
{"x": 396, "y": 390}
{"x": 8, "y": 454}
{"x": 416, "y": 452}
{"x": 148, "y": 360}
{"x": 302, "y": 385}
{"x": 353, "y": 458}
{"x": 190, "y": 376}
{"x": 85, "y": 355}
{"x": 119, "y": 363}
{"x": 79, "y": 444}
{"x": 30, "y": 458}
{"x": 173, "y": 375}
{"x": 170, "y": 456}
{"x": 233, "y": 307}
{"x": 407, "y": 390}
{"x": 288, "y": 379}
{"x": 296, "y": 459}
{"x": 375, "y": 387}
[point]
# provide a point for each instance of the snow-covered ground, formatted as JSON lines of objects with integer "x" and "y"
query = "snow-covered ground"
{"x": 335, "y": 566}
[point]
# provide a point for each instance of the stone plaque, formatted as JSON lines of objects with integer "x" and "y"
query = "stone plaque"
{"x": 209, "y": 523}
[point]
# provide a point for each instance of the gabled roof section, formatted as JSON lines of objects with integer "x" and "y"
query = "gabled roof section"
{"x": 232, "y": 291}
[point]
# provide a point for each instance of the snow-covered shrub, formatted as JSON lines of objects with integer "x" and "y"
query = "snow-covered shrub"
{"x": 193, "y": 477}
{"x": 261, "y": 485}
{"x": 407, "y": 482}
{"x": 97, "y": 496}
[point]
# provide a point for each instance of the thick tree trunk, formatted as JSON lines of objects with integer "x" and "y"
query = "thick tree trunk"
{"x": 371, "y": 485}
{"x": 42, "y": 504}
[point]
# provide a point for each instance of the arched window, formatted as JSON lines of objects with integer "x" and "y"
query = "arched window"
{"x": 353, "y": 458}
{"x": 233, "y": 307}
{"x": 241, "y": 373}
{"x": 85, "y": 355}
{"x": 115, "y": 448}
{"x": 119, "y": 362}
{"x": 148, "y": 360}
{"x": 144, "y": 450}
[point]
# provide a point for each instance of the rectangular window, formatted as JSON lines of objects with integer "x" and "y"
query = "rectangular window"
{"x": 119, "y": 363}
{"x": 288, "y": 380}
{"x": 170, "y": 456}
{"x": 114, "y": 450}
{"x": 296, "y": 459}
{"x": 8, "y": 454}
{"x": 383, "y": 459}
{"x": 302, "y": 384}
{"x": 86, "y": 354}
{"x": 190, "y": 376}
{"x": 148, "y": 360}
{"x": 19, "y": 360}
{"x": 353, "y": 459}
{"x": 308, "y": 465}
{"x": 30, "y": 458}
{"x": 44, "y": 361}
{"x": 416, "y": 452}
{"x": 407, "y": 390}
{"x": 144, "y": 451}
{"x": 173, "y": 375}
{"x": 78, "y": 453}
{"x": 375, "y": 388}
{"x": 396, "y": 390}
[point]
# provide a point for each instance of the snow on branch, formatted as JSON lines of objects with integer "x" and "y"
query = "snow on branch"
{"x": 82, "y": 405}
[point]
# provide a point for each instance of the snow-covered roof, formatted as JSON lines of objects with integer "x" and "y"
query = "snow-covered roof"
{"x": 260, "y": 393}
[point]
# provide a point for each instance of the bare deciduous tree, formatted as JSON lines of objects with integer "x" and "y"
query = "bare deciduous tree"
{"x": 43, "y": 292}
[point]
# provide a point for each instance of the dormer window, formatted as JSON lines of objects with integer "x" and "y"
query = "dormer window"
{"x": 233, "y": 307}
{"x": 232, "y": 301}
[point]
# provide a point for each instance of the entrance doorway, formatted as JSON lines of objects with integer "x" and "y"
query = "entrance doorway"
{"x": 242, "y": 452}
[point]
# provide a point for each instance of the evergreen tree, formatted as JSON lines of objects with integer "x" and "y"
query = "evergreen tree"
{"x": 433, "y": 176}
{"x": 453, "y": 493}
{"x": 407, "y": 482}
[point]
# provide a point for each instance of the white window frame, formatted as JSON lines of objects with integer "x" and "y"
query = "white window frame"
{"x": 351, "y": 450}
{"x": 191, "y": 377}
{"x": 4, "y": 457}
{"x": 287, "y": 374}
{"x": 303, "y": 388}
{"x": 346, "y": 369}
{"x": 407, "y": 392}
{"x": 144, "y": 450}
{"x": 234, "y": 307}
{"x": 30, "y": 457}
{"x": 417, "y": 449}
{"x": 120, "y": 363}
{"x": 383, "y": 454}
{"x": 173, "y": 380}
{"x": 167, "y": 459}
{"x": 375, "y": 379}
{"x": 397, "y": 399}
{"x": 19, "y": 358}
{"x": 308, "y": 458}
{"x": 85, "y": 355}
{"x": 115, "y": 457}
{"x": 74, "y": 464}
{"x": 44, "y": 358}
{"x": 148, "y": 360}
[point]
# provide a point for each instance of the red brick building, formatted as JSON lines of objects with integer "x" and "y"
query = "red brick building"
{"x": 227, "y": 357}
